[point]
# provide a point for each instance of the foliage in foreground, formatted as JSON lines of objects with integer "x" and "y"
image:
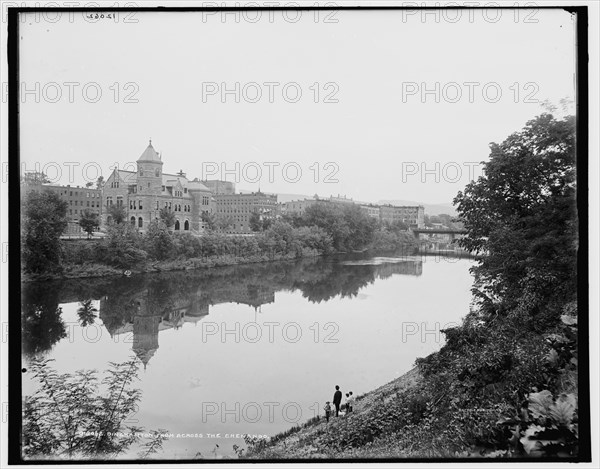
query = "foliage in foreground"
{"x": 78, "y": 416}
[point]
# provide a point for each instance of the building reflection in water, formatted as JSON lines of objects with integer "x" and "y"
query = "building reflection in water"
{"x": 145, "y": 305}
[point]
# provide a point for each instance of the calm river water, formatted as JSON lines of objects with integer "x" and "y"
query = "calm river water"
{"x": 248, "y": 349}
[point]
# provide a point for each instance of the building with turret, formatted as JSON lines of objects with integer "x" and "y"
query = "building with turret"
{"x": 143, "y": 193}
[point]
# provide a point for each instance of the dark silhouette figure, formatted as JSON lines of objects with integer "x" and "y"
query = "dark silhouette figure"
{"x": 327, "y": 409}
{"x": 337, "y": 400}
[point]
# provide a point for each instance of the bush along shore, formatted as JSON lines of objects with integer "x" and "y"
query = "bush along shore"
{"x": 505, "y": 383}
{"x": 320, "y": 231}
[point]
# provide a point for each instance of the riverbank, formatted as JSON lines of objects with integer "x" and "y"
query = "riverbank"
{"x": 97, "y": 258}
{"x": 477, "y": 397}
{"x": 312, "y": 439}
{"x": 96, "y": 270}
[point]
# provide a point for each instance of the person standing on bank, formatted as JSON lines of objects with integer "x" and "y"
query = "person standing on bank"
{"x": 327, "y": 409}
{"x": 350, "y": 403}
{"x": 337, "y": 400}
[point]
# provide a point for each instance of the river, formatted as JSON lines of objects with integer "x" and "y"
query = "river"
{"x": 248, "y": 349}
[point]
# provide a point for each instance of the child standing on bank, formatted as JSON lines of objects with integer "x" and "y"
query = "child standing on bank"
{"x": 327, "y": 409}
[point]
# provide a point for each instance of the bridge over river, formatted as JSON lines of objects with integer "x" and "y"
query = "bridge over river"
{"x": 452, "y": 234}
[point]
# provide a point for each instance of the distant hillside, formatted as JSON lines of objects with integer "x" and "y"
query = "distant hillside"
{"x": 430, "y": 209}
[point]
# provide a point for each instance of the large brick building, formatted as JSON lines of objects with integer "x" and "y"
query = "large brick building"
{"x": 371, "y": 210}
{"x": 78, "y": 199}
{"x": 413, "y": 215}
{"x": 296, "y": 207}
{"x": 237, "y": 209}
{"x": 145, "y": 192}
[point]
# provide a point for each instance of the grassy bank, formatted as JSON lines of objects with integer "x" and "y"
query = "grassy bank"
{"x": 342, "y": 436}
{"x": 500, "y": 394}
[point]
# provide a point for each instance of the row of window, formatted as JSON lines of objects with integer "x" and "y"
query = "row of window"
{"x": 244, "y": 210}
{"x": 89, "y": 195}
{"x": 241, "y": 218}
{"x": 176, "y": 207}
{"x": 398, "y": 212}
{"x": 246, "y": 202}
{"x": 140, "y": 224}
{"x": 137, "y": 205}
{"x": 233, "y": 228}
{"x": 109, "y": 201}
{"x": 176, "y": 193}
{"x": 93, "y": 204}
{"x": 93, "y": 211}
{"x": 132, "y": 205}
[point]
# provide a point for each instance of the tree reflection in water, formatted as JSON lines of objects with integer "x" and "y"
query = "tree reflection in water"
{"x": 86, "y": 313}
{"x": 42, "y": 324}
{"x": 146, "y": 304}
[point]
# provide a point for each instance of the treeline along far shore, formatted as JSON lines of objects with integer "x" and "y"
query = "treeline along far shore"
{"x": 321, "y": 230}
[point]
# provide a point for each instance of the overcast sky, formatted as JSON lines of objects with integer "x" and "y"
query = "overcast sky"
{"x": 378, "y": 133}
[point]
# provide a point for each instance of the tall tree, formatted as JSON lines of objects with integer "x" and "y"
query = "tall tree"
{"x": 521, "y": 216}
{"x": 35, "y": 177}
{"x": 124, "y": 246}
{"x": 209, "y": 220}
{"x": 159, "y": 242}
{"x": 117, "y": 213}
{"x": 89, "y": 222}
{"x": 100, "y": 182}
{"x": 45, "y": 219}
{"x": 223, "y": 222}
{"x": 254, "y": 222}
{"x": 348, "y": 226}
{"x": 167, "y": 217}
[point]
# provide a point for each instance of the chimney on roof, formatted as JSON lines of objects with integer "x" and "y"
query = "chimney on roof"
{"x": 181, "y": 173}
